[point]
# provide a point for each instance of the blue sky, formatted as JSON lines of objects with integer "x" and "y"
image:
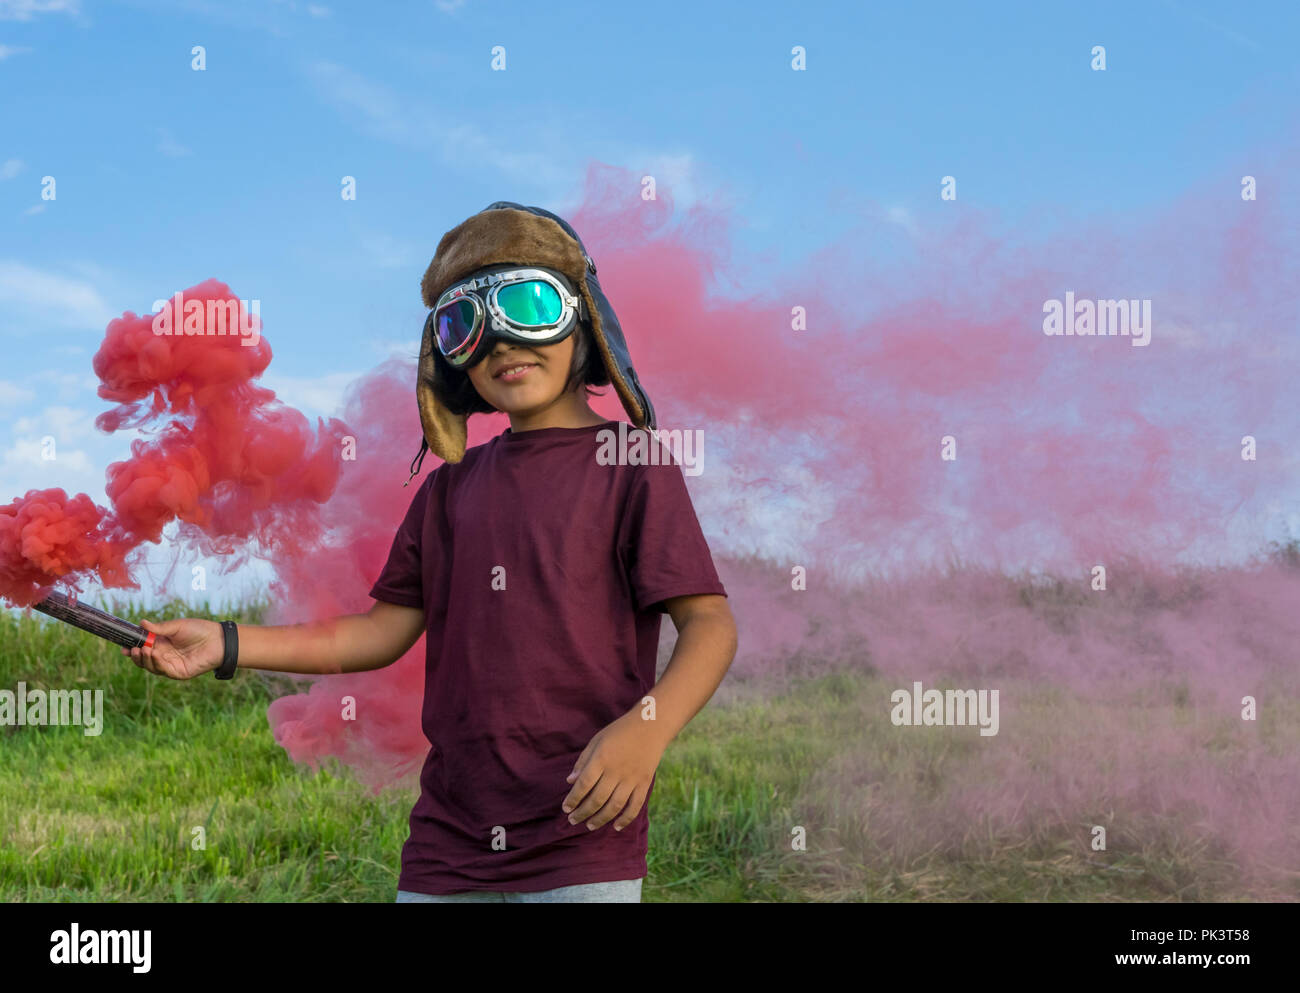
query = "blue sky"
{"x": 167, "y": 176}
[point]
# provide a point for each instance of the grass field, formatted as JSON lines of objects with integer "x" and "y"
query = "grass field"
{"x": 110, "y": 818}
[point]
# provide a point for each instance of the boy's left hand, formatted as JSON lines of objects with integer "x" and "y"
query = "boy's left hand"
{"x": 614, "y": 773}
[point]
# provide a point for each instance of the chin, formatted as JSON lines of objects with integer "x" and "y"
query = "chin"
{"x": 512, "y": 408}
{"x": 517, "y": 400}
{"x": 515, "y": 404}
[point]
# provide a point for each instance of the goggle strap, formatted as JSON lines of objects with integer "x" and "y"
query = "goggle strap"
{"x": 417, "y": 461}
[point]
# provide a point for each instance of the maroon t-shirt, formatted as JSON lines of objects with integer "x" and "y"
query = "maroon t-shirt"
{"x": 541, "y": 573}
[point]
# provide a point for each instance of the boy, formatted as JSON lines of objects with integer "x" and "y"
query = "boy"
{"x": 540, "y": 574}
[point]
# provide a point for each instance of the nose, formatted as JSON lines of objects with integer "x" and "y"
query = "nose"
{"x": 505, "y": 348}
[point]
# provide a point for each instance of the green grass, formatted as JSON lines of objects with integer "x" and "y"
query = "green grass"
{"x": 112, "y": 818}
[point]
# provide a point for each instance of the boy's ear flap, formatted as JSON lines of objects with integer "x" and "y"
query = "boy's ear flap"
{"x": 445, "y": 432}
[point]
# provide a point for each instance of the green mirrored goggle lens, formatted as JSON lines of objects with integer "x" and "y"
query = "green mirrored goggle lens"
{"x": 531, "y": 303}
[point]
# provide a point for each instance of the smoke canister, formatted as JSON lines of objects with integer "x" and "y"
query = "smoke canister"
{"x": 81, "y": 615}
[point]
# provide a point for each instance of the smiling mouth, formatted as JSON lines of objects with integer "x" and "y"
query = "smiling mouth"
{"x": 515, "y": 372}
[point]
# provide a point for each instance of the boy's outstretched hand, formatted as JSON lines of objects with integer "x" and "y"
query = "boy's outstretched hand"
{"x": 182, "y": 649}
{"x": 612, "y": 776}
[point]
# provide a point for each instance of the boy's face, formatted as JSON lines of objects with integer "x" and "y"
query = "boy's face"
{"x": 537, "y": 387}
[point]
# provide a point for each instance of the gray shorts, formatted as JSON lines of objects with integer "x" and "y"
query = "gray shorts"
{"x": 619, "y": 891}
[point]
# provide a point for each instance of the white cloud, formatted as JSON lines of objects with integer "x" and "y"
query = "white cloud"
{"x": 318, "y": 11}
{"x": 26, "y": 10}
{"x": 551, "y": 161}
{"x": 543, "y": 159}
{"x": 66, "y": 386}
{"x": 316, "y": 396}
{"x": 903, "y": 218}
{"x": 10, "y": 168}
{"x": 43, "y": 298}
{"x": 8, "y": 50}
{"x": 64, "y": 423}
{"x": 377, "y": 105}
{"x": 38, "y": 208}
{"x": 25, "y": 459}
{"x": 80, "y": 451}
{"x": 449, "y": 6}
{"x": 12, "y": 394}
{"x": 678, "y": 172}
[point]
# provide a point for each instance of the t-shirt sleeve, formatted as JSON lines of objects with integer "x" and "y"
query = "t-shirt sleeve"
{"x": 402, "y": 580}
{"x": 663, "y": 546}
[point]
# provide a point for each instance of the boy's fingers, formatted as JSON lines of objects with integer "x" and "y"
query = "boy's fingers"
{"x": 143, "y": 657}
{"x": 612, "y": 807}
{"x": 593, "y": 802}
{"x": 587, "y": 777}
{"x": 632, "y": 809}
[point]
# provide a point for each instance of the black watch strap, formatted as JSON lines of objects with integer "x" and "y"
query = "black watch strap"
{"x": 230, "y": 655}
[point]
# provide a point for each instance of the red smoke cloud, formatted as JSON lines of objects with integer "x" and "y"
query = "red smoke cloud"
{"x": 46, "y": 536}
{"x": 220, "y": 455}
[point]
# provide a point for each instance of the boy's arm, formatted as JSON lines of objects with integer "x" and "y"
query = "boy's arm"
{"x": 706, "y": 646}
{"x": 352, "y": 643}
{"x": 190, "y": 646}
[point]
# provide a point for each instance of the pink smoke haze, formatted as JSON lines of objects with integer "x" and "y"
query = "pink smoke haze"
{"x": 822, "y": 449}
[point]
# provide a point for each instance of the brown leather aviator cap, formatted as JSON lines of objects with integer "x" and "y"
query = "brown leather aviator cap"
{"x": 510, "y": 233}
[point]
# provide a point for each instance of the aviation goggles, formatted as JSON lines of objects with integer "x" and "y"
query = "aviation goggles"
{"x": 526, "y": 305}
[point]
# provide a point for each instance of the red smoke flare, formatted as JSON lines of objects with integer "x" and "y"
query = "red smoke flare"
{"x": 222, "y": 456}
